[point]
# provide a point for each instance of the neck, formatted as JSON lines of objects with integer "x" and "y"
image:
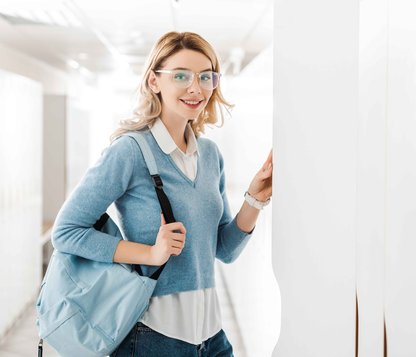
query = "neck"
{"x": 176, "y": 130}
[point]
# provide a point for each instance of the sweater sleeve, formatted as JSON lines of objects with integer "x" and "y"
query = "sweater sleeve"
{"x": 102, "y": 184}
{"x": 231, "y": 240}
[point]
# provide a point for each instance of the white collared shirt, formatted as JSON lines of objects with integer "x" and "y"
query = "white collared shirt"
{"x": 187, "y": 161}
{"x": 190, "y": 316}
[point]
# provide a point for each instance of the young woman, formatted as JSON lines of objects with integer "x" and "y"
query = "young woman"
{"x": 179, "y": 94}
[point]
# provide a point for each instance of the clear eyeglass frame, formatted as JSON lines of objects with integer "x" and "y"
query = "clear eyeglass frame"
{"x": 211, "y": 84}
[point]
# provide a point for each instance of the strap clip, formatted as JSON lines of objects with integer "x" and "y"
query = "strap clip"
{"x": 40, "y": 348}
{"x": 157, "y": 181}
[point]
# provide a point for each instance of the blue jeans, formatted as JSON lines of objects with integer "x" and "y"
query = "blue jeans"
{"x": 142, "y": 341}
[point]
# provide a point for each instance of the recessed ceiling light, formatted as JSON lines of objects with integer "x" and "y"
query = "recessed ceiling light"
{"x": 48, "y": 13}
{"x": 73, "y": 64}
{"x": 85, "y": 72}
{"x": 175, "y": 3}
{"x": 82, "y": 56}
{"x": 135, "y": 34}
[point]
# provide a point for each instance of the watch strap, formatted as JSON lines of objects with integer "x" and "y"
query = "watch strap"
{"x": 253, "y": 202}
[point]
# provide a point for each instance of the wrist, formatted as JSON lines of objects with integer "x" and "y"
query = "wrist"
{"x": 128, "y": 252}
{"x": 256, "y": 196}
{"x": 151, "y": 255}
{"x": 254, "y": 202}
{"x": 144, "y": 254}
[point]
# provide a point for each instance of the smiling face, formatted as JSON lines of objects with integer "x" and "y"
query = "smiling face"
{"x": 181, "y": 104}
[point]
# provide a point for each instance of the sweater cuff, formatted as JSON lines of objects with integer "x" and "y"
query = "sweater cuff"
{"x": 112, "y": 247}
{"x": 235, "y": 229}
{"x": 97, "y": 246}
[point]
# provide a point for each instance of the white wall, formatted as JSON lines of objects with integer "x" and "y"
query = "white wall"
{"x": 26, "y": 84}
{"x": 20, "y": 193}
{"x": 53, "y": 80}
{"x": 65, "y": 94}
{"x": 28, "y": 80}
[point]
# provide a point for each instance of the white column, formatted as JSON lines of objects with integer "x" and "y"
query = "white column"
{"x": 371, "y": 177}
{"x": 315, "y": 157}
{"x": 329, "y": 237}
{"x": 54, "y": 150}
{"x": 401, "y": 181}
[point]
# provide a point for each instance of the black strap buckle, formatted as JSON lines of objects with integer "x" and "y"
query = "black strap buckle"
{"x": 157, "y": 181}
{"x": 40, "y": 348}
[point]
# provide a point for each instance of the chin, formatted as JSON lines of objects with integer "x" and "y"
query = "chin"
{"x": 192, "y": 116}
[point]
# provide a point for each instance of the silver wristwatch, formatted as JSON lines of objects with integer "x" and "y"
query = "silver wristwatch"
{"x": 255, "y": 203}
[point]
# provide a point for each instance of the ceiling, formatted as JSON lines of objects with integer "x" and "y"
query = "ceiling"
{"x": 102, "y": 36}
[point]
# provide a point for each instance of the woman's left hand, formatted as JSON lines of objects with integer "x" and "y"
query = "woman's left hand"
{"x": 261, "y": 185}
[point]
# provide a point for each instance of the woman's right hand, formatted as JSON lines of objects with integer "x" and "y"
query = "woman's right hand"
{"x": 169, "y": 241}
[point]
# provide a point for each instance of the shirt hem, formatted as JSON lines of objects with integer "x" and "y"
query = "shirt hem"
{"x": 194, "y": 342}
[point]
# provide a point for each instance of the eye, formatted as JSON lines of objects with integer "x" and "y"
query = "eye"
{"x": 206, "y": 76}
{"x": 181, "y": 76}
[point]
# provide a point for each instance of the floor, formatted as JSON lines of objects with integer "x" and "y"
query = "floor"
{"x": 22, "y": 340}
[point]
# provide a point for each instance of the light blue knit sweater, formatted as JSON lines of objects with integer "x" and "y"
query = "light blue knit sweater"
{"x": 121, "y": 176}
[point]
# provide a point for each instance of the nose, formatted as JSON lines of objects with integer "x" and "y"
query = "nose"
{"x": 194, "y": 87}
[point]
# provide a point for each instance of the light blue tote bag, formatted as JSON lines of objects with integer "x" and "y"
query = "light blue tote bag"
{"x": 86, "y": 308}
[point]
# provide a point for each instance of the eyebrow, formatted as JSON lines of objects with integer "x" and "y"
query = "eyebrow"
{"x": 207, "y": 69}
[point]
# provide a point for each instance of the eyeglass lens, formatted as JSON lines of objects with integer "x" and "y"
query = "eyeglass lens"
{"x": 184, "y": 78}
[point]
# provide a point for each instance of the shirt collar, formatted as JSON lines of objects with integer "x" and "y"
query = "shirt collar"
{"x": 165, "y": 141}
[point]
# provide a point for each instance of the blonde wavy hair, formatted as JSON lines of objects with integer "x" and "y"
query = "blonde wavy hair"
{"x": 149, "y": 103}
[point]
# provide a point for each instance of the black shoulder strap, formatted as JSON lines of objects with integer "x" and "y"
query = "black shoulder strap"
{"x": 158, "y": 184}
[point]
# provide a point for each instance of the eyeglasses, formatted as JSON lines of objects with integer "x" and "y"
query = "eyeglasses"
{"x": 183, "y": 78}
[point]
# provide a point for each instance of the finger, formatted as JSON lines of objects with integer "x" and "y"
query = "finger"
{"x": 176, "y": 251}
{"x": 179, "y": 237}
{"x": 270, "y": 159}
{"x": 266, "y": 174}
{"x": 162, "y": 219}
{"x": 176, "y": 227}
{"x": 178, "y": 245}
{"x": 269, "y": 162}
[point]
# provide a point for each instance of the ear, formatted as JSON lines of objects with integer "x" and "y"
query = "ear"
{"x": 153, "y": 82}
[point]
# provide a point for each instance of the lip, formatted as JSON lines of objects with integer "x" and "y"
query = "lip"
{"x": 192, "y": 99}
{"x": 190, "y": 106}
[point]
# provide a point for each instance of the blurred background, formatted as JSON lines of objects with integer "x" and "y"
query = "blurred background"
{"x": 69, "y": 70}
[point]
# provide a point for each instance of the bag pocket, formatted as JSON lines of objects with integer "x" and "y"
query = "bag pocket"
{"x": 65, "y": 319}
{"x": 55, "y": 317}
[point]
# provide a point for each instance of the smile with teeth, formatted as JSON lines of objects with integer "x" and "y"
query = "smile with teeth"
{"x": 191, "y": 102}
